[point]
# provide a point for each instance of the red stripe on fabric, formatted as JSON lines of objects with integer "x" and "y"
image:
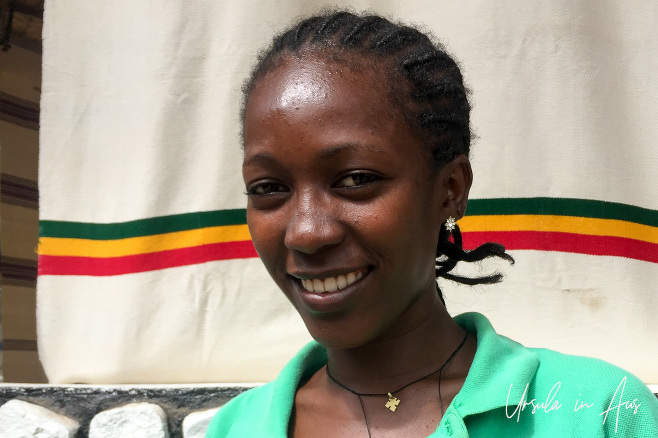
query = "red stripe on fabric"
{"x": 98, "y": 266}
{"x": 566, "y": 242}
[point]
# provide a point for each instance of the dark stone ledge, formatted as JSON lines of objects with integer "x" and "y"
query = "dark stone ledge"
{"x": 82, "y": 402}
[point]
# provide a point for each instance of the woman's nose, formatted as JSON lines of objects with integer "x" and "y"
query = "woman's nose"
{"x": 313, "y": 226}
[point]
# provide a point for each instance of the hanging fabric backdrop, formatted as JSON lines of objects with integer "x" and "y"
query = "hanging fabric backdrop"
{"x": 146, "y": 269}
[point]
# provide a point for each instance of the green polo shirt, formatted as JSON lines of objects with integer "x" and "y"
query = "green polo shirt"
{"x": 510, "y": 391}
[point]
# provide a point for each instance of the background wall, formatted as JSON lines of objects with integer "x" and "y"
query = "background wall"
{"x": 146, "y": 269}
{"x": 20, "y": 86}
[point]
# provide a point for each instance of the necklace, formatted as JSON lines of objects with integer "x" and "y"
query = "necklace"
{"x": 393, "y": 401}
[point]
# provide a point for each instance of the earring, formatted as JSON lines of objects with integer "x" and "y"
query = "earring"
{"x": 451, "y": 223}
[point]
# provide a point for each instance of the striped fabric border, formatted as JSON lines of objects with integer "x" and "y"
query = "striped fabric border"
{"x": 563, "y": 224}
{"x": 548, "y": 224}
{"x": 77, "y": 248}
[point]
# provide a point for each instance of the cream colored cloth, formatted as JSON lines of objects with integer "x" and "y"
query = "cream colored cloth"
{"x": 139, "y": 120}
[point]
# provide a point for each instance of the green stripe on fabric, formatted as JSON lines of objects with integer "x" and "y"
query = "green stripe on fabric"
{"x": 142, "y": 227}
{"x": 563, "y": 207}
{"x": 476, "y": 207}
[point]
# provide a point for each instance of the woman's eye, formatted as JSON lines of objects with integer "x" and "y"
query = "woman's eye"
{"x": 357, "y": 179}
{"x": 266, "y": 188}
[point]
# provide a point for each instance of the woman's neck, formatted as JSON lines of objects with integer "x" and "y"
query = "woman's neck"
{"x": 413, "y": 347}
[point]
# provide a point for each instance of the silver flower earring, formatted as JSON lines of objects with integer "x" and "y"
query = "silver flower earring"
{"x": 451, "y": 223}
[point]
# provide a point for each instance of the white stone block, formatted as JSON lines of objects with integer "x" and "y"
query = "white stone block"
{"x": 196, "y": 423}
{"x": 136, "y": 420}
{"x": 19, "y": 419}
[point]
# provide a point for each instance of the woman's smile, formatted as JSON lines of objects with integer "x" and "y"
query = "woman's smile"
{"x": 343, "y": 208}
{"x": 334, "y": 282}
{"x": 328, "y": 297}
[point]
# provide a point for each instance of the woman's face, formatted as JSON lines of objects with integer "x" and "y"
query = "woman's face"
{"x": 343, "y": 208}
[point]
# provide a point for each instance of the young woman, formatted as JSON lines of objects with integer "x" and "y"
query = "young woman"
{"x": 356, "y": 141}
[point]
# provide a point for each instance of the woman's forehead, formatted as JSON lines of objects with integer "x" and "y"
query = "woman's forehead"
{"x": 312, "y": 77}
{"x": 311, "y": 83}
{"x": 297, "y": 82}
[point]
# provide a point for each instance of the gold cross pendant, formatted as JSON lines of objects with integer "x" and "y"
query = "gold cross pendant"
{"x": 392, "y": 402}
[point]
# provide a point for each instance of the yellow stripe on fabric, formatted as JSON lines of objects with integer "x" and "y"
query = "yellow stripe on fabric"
{"x": 141, "y": 245}
{"x": 563, "y": 224}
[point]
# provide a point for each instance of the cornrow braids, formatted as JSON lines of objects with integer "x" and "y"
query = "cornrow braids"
{"x": 432, "y": 97}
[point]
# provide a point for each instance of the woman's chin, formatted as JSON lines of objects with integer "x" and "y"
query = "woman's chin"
{"x": 341, "y": 333}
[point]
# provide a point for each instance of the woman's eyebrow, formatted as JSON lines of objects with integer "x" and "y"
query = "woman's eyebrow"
{"x": 262, "y": 158}
{"x": 347, "y": 147}
{"x": 332, "y": 152}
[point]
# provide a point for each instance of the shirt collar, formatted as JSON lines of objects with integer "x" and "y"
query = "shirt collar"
{"x": 498, "y": 363}
{"x": 305, "y": 363}
{"x": 500, "y": 371}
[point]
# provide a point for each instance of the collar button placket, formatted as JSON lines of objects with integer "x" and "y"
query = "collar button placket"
{"x": 452, "y": 425}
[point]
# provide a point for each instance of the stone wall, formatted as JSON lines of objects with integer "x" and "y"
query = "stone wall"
{"x": 79, "y": 411}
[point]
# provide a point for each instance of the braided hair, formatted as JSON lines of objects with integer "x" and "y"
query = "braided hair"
{"x": 432, "y": 97}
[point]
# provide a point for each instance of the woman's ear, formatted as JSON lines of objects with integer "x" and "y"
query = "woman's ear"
{"x": 455, "y": 178}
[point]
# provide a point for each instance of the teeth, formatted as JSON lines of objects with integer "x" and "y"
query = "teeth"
{"x": 318, "y": 285}
{"x": 332, "y": 284}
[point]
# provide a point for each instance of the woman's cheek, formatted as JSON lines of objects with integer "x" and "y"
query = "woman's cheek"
{"x": 262, "y": 234}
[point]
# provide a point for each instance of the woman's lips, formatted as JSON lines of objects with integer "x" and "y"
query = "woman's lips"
{"x": 332, "y": 284}
{"x": 330, "y": 295}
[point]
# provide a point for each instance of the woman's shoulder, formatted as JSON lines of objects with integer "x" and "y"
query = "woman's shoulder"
{"x": 245, "y": 410}
{"x": 544, "y": 390}
{"x": 265, "y": 410}
{"x": 588, "y": 376}
{"x": 596, "y": 392}
{"x": 542, "y": 366}
{"x": 582, "y": 370}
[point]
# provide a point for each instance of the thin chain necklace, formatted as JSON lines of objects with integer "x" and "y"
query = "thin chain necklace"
{"x": 393, "y": 402}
